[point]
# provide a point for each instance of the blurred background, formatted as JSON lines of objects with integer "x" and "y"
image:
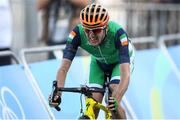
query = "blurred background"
{"x": 141, "y": 18}
{"x": 35, "y": 31}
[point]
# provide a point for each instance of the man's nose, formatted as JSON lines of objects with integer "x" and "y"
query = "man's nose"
{"x": 91, "y": 34}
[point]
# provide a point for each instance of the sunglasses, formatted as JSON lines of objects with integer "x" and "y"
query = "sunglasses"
{"x": 95, "y": 31}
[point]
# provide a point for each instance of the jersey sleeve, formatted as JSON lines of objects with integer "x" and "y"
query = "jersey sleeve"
{"x": 121, "y": 44}
{"x": 72, "y": 44}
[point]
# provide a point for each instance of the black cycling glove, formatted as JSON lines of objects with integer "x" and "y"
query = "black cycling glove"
{"x": 55, "y": 98}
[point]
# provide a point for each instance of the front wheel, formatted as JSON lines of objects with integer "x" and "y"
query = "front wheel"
{"x": 84, "y": 117}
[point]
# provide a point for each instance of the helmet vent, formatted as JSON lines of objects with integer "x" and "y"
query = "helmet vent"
{"x": 96, "y": 17}
{"x": 82, "y": 16}
{"x": 102, "y": 15}
{"x": 105, "y": 17}
{"x": 91, "y": 18}
{"x": 98, "y": 9}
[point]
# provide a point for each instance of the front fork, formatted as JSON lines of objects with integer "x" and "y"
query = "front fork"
{"x": 89, "y": 111}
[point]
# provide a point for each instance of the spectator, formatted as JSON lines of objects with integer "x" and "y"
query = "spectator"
{"x": 5, "y": 30}
{"x": 58, "y": 18}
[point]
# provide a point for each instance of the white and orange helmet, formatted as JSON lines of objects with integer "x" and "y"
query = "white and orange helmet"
{"x": 94, "y": 16}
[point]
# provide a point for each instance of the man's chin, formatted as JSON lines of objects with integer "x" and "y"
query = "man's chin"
{"x": 94, "y": 43}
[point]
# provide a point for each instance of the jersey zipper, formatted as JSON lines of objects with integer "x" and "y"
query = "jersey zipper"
{"x": 102, "y": 55}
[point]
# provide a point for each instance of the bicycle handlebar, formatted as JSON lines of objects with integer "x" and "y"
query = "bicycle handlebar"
{"x": 87, "y": 91}
{"x": 57, "y": 108}
{"x": 83, "y": 90}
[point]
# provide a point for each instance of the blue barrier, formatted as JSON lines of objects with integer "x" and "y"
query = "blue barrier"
{"x": 154, "y": 88}
{"x": 17, "y": 98}
{"x": 153, "y": 91}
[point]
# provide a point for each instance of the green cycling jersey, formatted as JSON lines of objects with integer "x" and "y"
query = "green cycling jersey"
{"x": 108, "y": 51}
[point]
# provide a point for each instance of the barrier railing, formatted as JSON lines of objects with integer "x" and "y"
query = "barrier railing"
{"x": 163, "y": 47}
{"x": 11, "y": 54}
{"x": 15, "y": 88}
{"x": 149, "y": 39}
{"x": 29, "y": 74}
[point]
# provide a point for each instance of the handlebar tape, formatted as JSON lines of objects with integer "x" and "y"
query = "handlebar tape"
{"x": 57, "y": 108}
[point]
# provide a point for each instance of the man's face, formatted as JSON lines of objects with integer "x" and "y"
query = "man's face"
{"x": 95, "y": 36}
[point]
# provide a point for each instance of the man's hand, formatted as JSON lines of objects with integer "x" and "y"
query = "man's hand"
{"x": 55, "y": 97}
{"x": 112, "y": 104}
{"x": 54, "y": 101}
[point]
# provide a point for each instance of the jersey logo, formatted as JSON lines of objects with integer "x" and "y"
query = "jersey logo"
{"x": 72, "y": 35}
{"x": 124, "y": 40}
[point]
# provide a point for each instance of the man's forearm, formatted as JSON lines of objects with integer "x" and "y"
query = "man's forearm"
{"x": 123, "y": 85}
{"x": 62, "y": 72}
{"x": 61, "y": 77}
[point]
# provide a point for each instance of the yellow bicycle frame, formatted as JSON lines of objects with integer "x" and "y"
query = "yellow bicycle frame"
{"x": 89, "y": 111}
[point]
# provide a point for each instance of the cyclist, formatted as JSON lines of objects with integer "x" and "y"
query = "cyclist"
{"x": 111, "y": 51}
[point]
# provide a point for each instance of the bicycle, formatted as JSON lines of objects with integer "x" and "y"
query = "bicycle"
{"x": 88, "y": 113}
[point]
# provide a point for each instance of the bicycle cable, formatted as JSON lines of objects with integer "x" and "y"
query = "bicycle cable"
{"x": 81, "y": 110}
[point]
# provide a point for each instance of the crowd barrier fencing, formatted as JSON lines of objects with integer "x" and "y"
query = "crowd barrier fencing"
{"x": 18, "y": 100}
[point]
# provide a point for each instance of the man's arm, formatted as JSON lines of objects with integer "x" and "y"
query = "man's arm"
{"x": 68, "y": 56}
{"x": 122, "y": 44}
{"x": 62, "y": 72}
{"x": 123, "y": 85}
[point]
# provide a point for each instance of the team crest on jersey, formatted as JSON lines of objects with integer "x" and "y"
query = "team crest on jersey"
{"x": 124, "y": 40}
{"x": 71, "y": 35}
